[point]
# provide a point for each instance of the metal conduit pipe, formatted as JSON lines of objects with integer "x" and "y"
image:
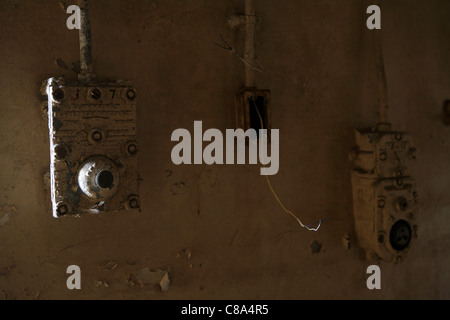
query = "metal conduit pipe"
{"x": 249, "y": 54}
{"x": 85, "y": 44}
{"x": 381, "y": 76}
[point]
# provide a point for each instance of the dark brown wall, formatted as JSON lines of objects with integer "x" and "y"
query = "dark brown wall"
{"x": 319, "y": 67}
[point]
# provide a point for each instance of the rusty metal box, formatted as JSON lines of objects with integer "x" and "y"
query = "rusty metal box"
{"x": 93, "y": 148}
{"x": 384, "y": 195}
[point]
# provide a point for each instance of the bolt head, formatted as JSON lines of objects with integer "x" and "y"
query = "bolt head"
{"x": 95, "y": 94}
{"x": 132, "y": 149}
{"x": 62, "y": 210}
{"x": 97, "y": 136}
{"x": 133, "y": 203}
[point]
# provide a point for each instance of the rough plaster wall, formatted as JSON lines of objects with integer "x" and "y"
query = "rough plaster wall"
{"x": 318, "y": 65}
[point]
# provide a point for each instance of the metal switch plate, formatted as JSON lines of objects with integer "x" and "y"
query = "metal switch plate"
{"x": 93, "y": 148}
{"x": 384, "y": 195}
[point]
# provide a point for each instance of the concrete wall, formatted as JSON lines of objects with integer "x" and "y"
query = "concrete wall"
{"x": 318, "y": 65}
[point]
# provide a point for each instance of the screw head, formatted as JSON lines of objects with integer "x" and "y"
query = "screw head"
{"x": 95, "y": 94}
{"x": 131, "y": 94}
{"x": 62, "y": 210}
{"x": 400, "y": 235}
{"x": 61, "y": 151}
{"x": 133, "y": 203}
{"x": 97, "y": 136}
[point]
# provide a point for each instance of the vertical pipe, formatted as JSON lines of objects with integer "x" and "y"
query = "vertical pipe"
{"x": 381, "y": 77}
{"x": 85, "y": 43}
{"x": 249, "y": 54}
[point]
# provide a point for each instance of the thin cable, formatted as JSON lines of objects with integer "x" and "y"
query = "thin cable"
{"x": 275, "y": 194}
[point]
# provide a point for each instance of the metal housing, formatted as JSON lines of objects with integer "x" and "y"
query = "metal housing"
{"x": 93, "y": 162}
{"x": 384, "y": 196}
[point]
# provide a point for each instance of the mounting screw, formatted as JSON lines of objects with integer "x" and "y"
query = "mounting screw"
{"x": 131, "y": 94}
{"x": 133, "y": 202}
{"x": 95, "y": 94}
{"x": 61, "y": 151}
{"x": 383, "y": 156}
{"x": 132, "y": 149}
{"x": 381, "y": 203}
{"x": 97, "y": 136}
{"x": 380, "y": 237}
{"x": 400, "y": 235}
{"x": 58, "y": 94}
{"x": 62, "y": 210}
{"x": 104, "y": 179}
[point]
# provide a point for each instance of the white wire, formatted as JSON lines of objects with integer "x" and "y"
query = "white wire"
{"x": 273, "y": 191}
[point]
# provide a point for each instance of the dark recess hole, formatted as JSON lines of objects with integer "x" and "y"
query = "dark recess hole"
{"x": 257, "y": 103}
{"x": 316, "y": 246}
{"x": 400, "y": 235}
{"x": 97, "y": 136}
{"x": 104, "y": 179}
{"x": 58, "y": 94}
{"x": 403, "y": 204}
{"x": 61, "y": 152}
{"x": 131, "y": 94}
{"x": 132, "y": 149}
{"x": 134, "y": 203}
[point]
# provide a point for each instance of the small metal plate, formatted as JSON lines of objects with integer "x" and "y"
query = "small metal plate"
{"x": 90, "y": 127}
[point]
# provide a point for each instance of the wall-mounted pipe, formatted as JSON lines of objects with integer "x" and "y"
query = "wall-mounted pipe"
{"x": 381, "y": 78}
{"x": 249, "y": 54}
{"x": 86, "y": 73}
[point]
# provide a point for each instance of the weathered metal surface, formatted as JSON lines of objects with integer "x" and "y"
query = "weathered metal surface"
{"x": 93, "y": 147}
{"x": 384, "y": 196}
{"x": 86, "y": 73}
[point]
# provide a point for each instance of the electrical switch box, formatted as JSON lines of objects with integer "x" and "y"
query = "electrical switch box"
{"x": 384, "y": 194}
{"x": 93, "y": 148}
{"x": 251, "y": 104}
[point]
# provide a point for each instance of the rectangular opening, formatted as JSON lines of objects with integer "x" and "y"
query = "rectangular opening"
{"x": 251, "y": 104}
{"x": 258, "y": 113}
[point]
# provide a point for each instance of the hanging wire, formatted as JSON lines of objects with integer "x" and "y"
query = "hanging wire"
{"x": 308, "y": 227}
